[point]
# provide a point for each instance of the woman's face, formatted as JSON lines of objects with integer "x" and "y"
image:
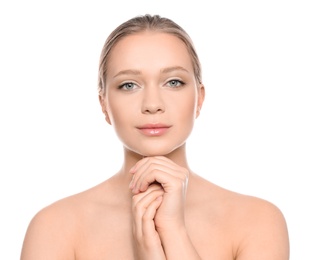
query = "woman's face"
{"x": 152, "y": 97}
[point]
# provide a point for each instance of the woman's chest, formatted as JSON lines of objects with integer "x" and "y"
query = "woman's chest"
{"x": 113, "y": 239}
{"x": 105, "y": 236}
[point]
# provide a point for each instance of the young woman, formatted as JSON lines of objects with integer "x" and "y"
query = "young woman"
{"x": 155, "y": 207}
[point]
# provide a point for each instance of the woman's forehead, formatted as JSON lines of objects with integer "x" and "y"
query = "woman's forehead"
{"x": 152, "y": 49}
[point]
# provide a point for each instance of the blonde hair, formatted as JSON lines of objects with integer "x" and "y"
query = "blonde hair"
{"x": 139, "y": 24}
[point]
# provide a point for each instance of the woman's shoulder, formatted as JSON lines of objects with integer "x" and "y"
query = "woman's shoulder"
{"x": 71, "y": 207}
{"x": 242, "y": 207}
{"x": 56, "y": 225}
{"x": 232, "y": 200}
{"x": 257, "y": 223}
{"x": 248, "y": 220}
{"x": 49, "y": 231}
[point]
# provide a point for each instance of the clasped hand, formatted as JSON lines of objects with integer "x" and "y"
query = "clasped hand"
{"x": 159, "y": 188}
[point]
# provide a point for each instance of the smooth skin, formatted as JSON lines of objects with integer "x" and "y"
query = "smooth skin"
{"x": 155, "y": 207}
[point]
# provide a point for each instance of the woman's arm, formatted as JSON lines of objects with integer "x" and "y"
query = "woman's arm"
{"x": 178, "y": 245}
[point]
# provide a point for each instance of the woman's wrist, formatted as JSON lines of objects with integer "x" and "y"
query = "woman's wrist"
{"x": 177, "y": 244}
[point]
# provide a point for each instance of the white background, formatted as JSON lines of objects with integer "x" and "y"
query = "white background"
{"x": 253, "y": 135}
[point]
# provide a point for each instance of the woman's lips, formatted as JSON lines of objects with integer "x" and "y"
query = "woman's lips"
{"x": 153, "y": 129}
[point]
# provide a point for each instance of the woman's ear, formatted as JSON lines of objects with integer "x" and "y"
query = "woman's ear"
{"x": 103, "y": 105}
{"x": 201, "y": 96}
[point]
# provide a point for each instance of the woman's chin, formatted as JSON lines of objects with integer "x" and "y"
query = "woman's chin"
{"x": 156, "y": 151}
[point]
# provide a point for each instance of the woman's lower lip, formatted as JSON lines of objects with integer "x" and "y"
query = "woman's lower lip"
{"x": 154, "y": 131}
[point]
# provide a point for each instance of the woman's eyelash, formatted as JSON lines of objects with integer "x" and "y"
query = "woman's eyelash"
{"x": 127, "y": 86}
{"x": 176, "y": 83}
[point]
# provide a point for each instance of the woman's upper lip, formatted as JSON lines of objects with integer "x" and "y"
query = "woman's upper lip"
{"x": 153, "y": 126}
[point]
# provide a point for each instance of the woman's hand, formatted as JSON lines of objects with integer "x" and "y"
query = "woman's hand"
{"x": 144, "y": 207}
{"x": 173, "y": 179}
{"x": 169, "y": 222}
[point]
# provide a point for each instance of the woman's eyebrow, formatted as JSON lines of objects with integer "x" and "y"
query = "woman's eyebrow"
{"x": 170, "y": 69}
{"x": 127, "y": 72}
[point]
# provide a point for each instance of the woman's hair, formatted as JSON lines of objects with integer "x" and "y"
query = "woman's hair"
{"x": 140, "y": 24}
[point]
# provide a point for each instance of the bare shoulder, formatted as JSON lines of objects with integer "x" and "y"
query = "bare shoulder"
{"x": 262, "y": 229}
{"x": 257, "y": 226}
{"x": 51, "y": 234}
{"x": 43, "y": 236}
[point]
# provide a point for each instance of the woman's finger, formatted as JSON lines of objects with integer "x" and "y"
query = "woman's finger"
{"x": 141, "y": 203}
{"x": 168, "y": 177}
{"x": 148, "y": 226}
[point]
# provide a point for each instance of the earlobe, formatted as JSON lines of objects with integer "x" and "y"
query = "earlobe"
{"x": 104, "y": 110}
{"x": 107, "y": 118}
{"x": 201, "y": 96}
{"x": 198, "y": 111}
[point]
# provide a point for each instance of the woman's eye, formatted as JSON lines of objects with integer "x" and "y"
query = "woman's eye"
{"x": 128, "y": 86}
{"x": 175, "y": 83}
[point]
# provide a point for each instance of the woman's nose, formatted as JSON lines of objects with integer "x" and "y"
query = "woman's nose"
{"x": 152, "y": 101}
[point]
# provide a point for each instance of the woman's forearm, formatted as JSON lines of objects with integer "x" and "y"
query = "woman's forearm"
{"x": 177, "y": 245}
